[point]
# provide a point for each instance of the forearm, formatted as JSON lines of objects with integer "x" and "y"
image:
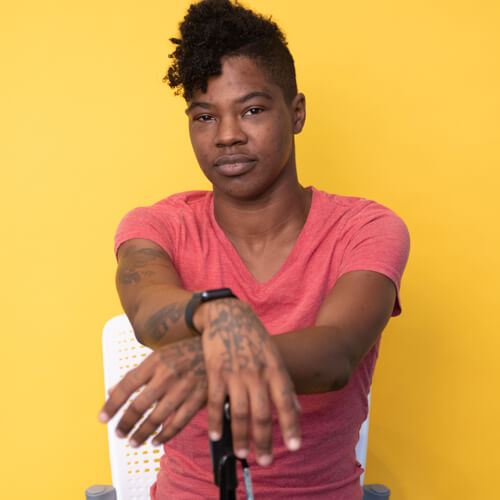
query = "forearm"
{"x": 151, "y": 293}
{"x": 316, "y": 358}
{"x": 319, "y": 358}
{"x": 158, "y": 315}
{"x": 323, "y": 357}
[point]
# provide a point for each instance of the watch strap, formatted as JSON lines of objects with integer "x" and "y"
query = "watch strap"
{"x": 191, "y": 307}
{"x": 200, "y": 297}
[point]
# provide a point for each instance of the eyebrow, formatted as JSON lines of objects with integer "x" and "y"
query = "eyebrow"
{"x": 251, "y": 95}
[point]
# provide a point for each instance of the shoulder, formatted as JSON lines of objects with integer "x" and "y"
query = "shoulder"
{"x": 368, "y": 236}
{"x": 175, "y": 205}
{"x": 350, "y": 214}
{"x": 349, "y": 206}
{"x": 166, "y": 219}
{"x": 177, "y": 209}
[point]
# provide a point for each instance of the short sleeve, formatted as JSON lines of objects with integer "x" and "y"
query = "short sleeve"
{"x": 149, "y": 223}
{"x": 377, "y": 240}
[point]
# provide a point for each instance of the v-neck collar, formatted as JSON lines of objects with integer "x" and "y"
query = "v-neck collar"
{"x": 237, "y": 261}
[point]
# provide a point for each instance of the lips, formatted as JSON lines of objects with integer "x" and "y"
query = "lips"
{"x": 233, "y": 165}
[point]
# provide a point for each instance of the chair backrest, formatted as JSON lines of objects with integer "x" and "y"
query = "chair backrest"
{"x": 135, "y": 470}
{"x": 362, "y": 444}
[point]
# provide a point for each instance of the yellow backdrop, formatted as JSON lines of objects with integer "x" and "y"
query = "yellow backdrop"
{"x": 403, "y": 107}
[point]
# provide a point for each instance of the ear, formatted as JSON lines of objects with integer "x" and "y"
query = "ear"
{"x": 298, "y": 109}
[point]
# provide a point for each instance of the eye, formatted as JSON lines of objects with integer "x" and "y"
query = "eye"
{"x": 203, "y": 118}
{"x": 253, "y": 111}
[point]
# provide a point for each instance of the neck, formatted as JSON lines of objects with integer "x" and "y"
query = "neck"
{"x": 280, "y": 212}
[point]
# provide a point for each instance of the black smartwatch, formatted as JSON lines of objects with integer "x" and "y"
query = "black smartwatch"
{"x": 200, "y": 297}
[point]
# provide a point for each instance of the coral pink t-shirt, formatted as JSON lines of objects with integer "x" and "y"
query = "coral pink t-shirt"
{"x": 341, "y": 234}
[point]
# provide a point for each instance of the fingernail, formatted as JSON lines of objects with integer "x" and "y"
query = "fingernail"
{"x": 134, "y": 443}
{"x": 214, "y": 435}
{"x": 155, "y": 442}
{"x": 242, "y": 453}
{"x": 293, "y": 444}
{"x": 264, "y": 460}
{"x": 119, "y": 433}
{"x": 103, "y": 417}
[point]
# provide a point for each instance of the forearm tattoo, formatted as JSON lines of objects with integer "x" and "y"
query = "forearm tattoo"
{"x": 158, "y": 324}
{"x": 241, "y": 333}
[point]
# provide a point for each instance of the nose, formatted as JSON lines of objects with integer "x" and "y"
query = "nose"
{"x": 230, "y": 132}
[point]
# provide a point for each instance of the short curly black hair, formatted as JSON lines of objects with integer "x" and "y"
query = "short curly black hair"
{"x": 214, "y": 29}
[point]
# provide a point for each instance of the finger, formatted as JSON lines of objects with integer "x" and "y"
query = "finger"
{"x": 182, "y": 416}
{"x": 284, "y": 398}
{"x": 124, "y": 389}
{"x": 140, "y": 405}
{"x": 168, "y": 404}
{"x": 262, "y": 426}
{"x": 215, "y": 405}
{"x": 238, "y": 398}
{"x": 160, "y": 413}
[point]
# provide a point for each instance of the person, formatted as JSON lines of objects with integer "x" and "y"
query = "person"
{"x": 298, "y": 283}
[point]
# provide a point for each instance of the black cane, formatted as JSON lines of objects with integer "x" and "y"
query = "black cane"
{"x": 224, "y": 462}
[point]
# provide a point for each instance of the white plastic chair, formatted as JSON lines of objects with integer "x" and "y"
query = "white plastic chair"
{"x": 134, "y": 470}
{"x": 362, "y": 444}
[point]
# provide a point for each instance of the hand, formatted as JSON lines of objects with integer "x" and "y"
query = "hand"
{"x": 242, "y": 362}
{"x": 175, "y": 380}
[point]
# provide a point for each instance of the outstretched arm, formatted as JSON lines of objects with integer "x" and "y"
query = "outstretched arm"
{"x": 319, "y": 359}
{"x": 241, "y": 359}
{"x": 348, "y": 324}
{"x": 323, "y": 357}
{"x": 151, "y": 293}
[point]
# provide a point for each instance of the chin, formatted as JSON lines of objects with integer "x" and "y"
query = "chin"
{"x": 250, "y": 186}
{"x": 243, "y": 191}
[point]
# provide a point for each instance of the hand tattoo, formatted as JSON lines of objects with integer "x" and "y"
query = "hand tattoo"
{"x": 241, "y": 333}
{"x": 186, "y": 355}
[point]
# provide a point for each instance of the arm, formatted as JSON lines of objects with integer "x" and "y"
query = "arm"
{"x": 348, "y": 324}
{"x": 240, "y": 355}
{"x": 323, "y": 357}
{"x": 151, "y": 293}
{"x": 319, "y": 359}
{"x": 235, "y": 356}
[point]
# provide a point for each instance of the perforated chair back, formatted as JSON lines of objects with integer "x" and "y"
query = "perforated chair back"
{"x": 362, "y": 444}
{"x": 133, "y": 470}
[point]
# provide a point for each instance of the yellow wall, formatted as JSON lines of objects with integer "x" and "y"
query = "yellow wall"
{"x": 403, "y": 107}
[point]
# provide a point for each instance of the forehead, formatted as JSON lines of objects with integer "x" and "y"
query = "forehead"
{"x": 240, "y": 76}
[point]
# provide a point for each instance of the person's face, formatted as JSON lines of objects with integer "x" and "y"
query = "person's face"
{"x": 242, "y": 130}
